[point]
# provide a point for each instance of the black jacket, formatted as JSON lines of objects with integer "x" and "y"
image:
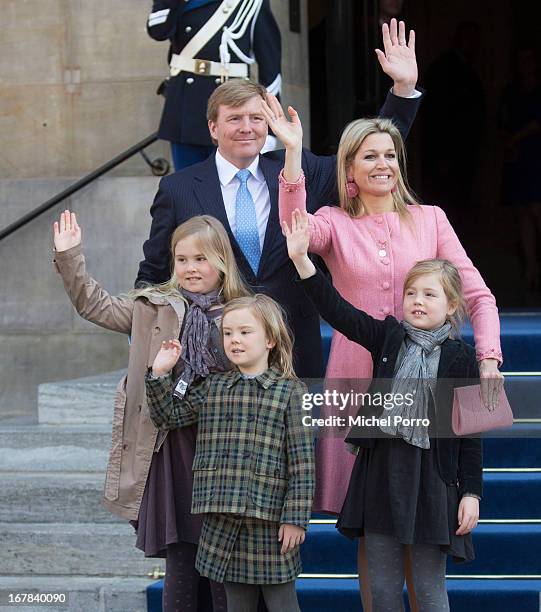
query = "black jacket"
{"x": 196, "y": 191}
{"x": 184, "y": 114}
{"x": 459, "y": 459}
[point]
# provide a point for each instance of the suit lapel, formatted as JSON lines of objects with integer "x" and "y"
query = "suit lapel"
{"x": 208, "y": 193}
{"x": 271, "y": 170}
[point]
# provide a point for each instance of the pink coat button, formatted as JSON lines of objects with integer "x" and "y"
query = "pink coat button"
{"x": 386, "y": 310}
{"x": 386, "y": 285}
{"x": 385, "y": 261}
{"x": 379, "y": 220}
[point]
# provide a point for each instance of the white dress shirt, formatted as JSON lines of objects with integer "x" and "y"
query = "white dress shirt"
{"x": 256, "y": 186}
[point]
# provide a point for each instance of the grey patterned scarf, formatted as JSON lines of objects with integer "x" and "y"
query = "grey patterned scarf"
{"x": 197, "y": 359}
{"x": 418, "y": 367}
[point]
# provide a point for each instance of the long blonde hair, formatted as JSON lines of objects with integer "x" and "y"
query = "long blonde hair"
{"x": 450, "y": 281}
{"x": 215, "y": 245}
{"x": 351, "y": 140}
{"x": 273, "y": 319}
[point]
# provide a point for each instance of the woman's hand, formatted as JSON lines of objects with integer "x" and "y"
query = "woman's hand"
{"x": 290, "y": 536}
{"x": 288, "y": 131}
{"x": 67, "y": 234}
{"x": 298, "y": 239}
{"x": 399, "y": 61}
{"x": 491, "y": 382}
{"x": 167, "y": 357}
{"x": 468, "y": 515}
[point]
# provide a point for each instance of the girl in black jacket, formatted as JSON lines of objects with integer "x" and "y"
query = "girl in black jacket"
{"x": 414, "y": 483}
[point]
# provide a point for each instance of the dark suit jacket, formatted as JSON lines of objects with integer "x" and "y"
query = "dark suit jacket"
{"x": 196, "y": 191}
{"x": 459, "y": 459}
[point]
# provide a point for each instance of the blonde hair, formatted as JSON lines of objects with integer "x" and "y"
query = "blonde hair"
{"x": 215, "y": 245}
{"x": 451, "y": 283}
{"x": 233, "y": 93}
{"x": 351, "y": 140}
{"x": 273, "y": 319}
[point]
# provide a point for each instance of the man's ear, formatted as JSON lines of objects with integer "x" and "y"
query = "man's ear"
{"x": 212, "y": 130}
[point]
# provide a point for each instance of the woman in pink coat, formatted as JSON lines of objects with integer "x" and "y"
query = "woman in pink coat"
{"x": 368, "y": 242}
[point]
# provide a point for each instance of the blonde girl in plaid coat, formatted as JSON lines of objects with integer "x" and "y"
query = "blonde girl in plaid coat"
{"x": 253, "y": 466}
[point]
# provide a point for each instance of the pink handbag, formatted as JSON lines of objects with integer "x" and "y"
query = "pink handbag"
{"x": 471, "y": 416}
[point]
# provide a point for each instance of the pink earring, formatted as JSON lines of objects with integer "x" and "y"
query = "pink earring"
{"x": 352, "y": 189}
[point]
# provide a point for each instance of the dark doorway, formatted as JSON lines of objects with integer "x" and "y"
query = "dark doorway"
{"x": 459, "y": 156}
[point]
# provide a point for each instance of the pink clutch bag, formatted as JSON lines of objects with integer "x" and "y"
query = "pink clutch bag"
{"x": 470, "y": 415}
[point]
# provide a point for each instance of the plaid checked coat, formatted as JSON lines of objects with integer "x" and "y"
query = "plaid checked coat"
{"x": 254, "y": 457}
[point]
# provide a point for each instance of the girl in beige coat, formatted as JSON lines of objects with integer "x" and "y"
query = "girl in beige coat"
{"x": 149, "y": 476}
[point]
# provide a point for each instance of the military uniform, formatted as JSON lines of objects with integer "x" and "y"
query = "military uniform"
{"x": 249, "y": 33}
{"x": 253, "y": 470}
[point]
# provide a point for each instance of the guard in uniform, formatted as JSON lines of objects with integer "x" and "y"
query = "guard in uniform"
{"x": 211, "y": 41}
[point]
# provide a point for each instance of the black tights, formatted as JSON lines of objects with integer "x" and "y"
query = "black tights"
{"x": 181, "y": 584}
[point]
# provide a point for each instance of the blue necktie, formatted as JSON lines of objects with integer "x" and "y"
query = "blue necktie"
{"x": 246, "y": 232}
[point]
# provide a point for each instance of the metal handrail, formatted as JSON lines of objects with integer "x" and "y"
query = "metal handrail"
{"x": 158, "y": 166}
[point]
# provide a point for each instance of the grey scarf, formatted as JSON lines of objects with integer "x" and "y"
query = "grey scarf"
{"x": 197, "y": 359}
{"x": 413, "y": 376}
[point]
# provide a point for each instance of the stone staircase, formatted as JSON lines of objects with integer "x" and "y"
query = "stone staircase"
{"x": 55, "y": 535}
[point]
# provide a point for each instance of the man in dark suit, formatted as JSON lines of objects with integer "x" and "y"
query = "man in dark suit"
{"x": 239, "y": 186}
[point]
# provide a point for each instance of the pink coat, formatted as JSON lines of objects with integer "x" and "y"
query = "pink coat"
{"x": 368, "y": 258}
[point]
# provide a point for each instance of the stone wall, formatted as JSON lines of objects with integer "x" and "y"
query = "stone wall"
{"x": 41, "y": 336}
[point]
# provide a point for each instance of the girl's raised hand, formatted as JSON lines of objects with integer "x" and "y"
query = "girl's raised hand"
{"x": 167, "y": 357}
{"x": 288, "y": 131}
{"x": 298, "y": 237}
{"x": 67, "y": 234}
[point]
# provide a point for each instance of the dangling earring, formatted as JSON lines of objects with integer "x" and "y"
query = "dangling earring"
{"x": 352, "y": 189}
{"x": 393, "y": 190}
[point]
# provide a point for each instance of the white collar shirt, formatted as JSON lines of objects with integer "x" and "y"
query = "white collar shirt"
{"x": 257, "y": 186}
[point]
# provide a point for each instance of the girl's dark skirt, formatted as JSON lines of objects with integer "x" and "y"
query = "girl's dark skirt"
{"x": 395, "y": 489}
{"x": 164, "y": 516}
{"x": 246, "y": 550}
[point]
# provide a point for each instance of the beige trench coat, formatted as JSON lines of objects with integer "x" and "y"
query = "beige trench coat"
{"x": 149, "y": 321}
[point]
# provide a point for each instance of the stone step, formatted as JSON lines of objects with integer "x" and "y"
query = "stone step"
{"x": 67, "y": 549}
{"x": 53, "y": 498}
{"x": 81, "y": 400}
{"x": 84, "y": 594}
{"x": 46, "y": 448}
